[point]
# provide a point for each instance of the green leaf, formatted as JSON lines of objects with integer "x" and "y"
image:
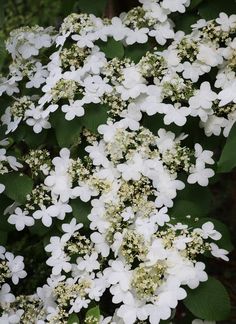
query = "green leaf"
{"x": 112, "y": 48}
{"x": 95, "y": 115}
{"x": 210, "y": 9}
{"x": 210, "y": 301}
{"x": 187, "y": 202}
{"x": 67, "y": 132}
{"x": 3, "y": 51}
{"x": 184, "y": 23}
{"x": 73, "y": 319}
{"x": 136, "y": 51}
{"x": 80, "y": 211}
{"x": 26, "y": 134}
{"x": 2, "y": 12}
{"x": 95, "y": 7}
{"x": 17, "y": 186}
{"x": 94, "y": 312}
{"x": 3, "y": 237}
{"x": 194, "y": 4}
{"x": 227, "y": 159}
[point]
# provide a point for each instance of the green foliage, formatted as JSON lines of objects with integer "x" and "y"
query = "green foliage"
{"x": 95, "y": 115}
{"x": 210, "y": 9}
{"x": 94, "y": 312}
{"x": 95, "y": 7}
{"x": 112, "y": 48}
{"x": 227, "y": 159}
{"x": 80, "y": 211}
{"x": 210, "y": 301}
{"x": 187, "y": 202}
{"x": 73, "y": 319}
{"x": 17, "y": 186}
{"x": 67, "y": 132}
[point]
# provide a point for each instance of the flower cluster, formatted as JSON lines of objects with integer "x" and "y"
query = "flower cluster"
{"x": 127, "y": 249}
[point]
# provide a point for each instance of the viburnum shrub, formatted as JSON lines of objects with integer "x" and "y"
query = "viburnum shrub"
{"x": 110, "y": 132}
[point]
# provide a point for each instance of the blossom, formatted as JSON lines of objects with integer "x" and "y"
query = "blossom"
{"x": 5, "y": 295}
{"x": 225, "y": 22}
{"x": 73, "y": 109}
{"x": 200, "y": 175}
{"x": 175, "y": 5}
{"x": 201, "y": 103}
{"x": 219, "y": 253}
{"x": 16, "y": 266}
{"x": 20, "y": 219}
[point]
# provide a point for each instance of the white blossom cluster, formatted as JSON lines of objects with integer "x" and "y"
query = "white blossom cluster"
{"x": 133, "y": 252}
{"x": 11, "y": 271}
{"x": 7, "y": 162}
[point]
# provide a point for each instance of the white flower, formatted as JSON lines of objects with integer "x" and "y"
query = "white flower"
{"x": 20, "y": 219}
{"x": 162, "y": 32}
{"x": 203, "y": 157}
{"x": 16, "y": 266}
{"x": 165, "y": 140}
{"x": 132, "y": 169}
{"x": 84, "y": 191}
{"x": 117, "y": 29}
{"x": 175, "y": 5}
{"x": 5, "y": 295}
{"x": 95, "y": 87}
{"x": 200, "y": 174}
{"x": 194, "y": 70}
{"x": 136, "y": 36}
{"x": 78, "y": 304}
{"x": 156, "y": 252}
{"x": 175, "y": 114}
{"x": 118, "y": 273}
{"x": 88, "y": 263}
{"x": 133, "y": 83}
{"x": 228, "y": 94}
{"x": 201, "y": 103}
{"x": 75, "y": 108}
{"x": 226, "y": 22}
{"x": 100, "y": 244}
{"x": 131, "y": 117}
{"x": 198, "y": 275}
{"x": 219, "y": 253}
{"x": 132, "y": 310}
{"x": 209, "y": 231}
{"x": 70, "y": 228}
{"x": 209, "y": 55}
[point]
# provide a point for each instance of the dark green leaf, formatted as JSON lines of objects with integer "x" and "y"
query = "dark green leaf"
{"x": 73, "y": 319}
{"x": 95, "y": 115}
{"x": 17, "y": 186}
{"x": 194, "y": 4}
{"x": 227, "y": 159}
{"x": 184, "y": 22}
{"x": 3, "y": 237}
{"x": 94, "y": 312}
{"x": 187, "y": 202}
{"x": 112, "y": 48}
{"x": 210, "y": 301}
{"x": 26, "y": 134}
{"x": 95, "y": 7}
{"x": 136, "y": 51}
{"x": 67, "y": 132}
{"x": 80, "y": 211}
{"x": 210, "y": 9}
{"x": 2, "y": 12}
